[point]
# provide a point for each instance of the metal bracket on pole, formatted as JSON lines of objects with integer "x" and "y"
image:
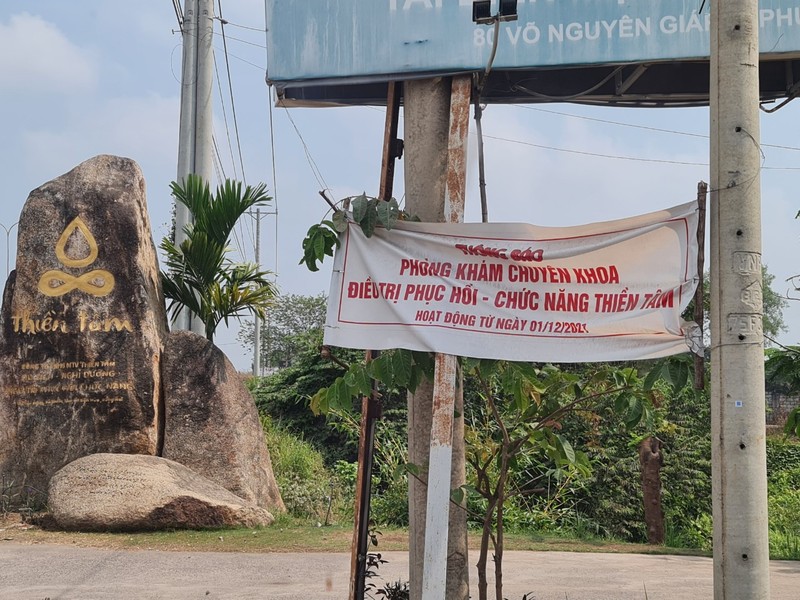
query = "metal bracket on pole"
{"x": 392, "y": 147}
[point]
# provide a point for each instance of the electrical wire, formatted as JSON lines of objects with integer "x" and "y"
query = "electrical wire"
{"x": 176, "y": 5}
{"x": 644, "y": 127}
{"x": 220, "y": 170}
{"x": 272, "y": 157}
{"x": 233, "y": 102}
{"x": 226, "y": 22}
{"x": 225, "y": 118}
{"x": 235, "y": 39}
{"x": 244, "y": 60}
{"x": 479, "y": 122}
{"x": 622, "y": 157}
{"x": 598, "y": 154}
{"x": 274, "y": 177}
{"x": 794, "y": 91}
{"x": 310, "y": 159}
{"x": 520, "y": 88}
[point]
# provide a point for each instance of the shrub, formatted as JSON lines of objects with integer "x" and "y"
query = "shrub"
{"x": 305, "y": 484}
{"x": 388, "y": 500}
{"x": 782, "y": 455}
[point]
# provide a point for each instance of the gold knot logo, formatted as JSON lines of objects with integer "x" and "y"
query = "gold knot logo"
{"x": 97, "y": 282}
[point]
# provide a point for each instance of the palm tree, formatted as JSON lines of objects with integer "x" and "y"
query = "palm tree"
{"x": 199, "y": 275}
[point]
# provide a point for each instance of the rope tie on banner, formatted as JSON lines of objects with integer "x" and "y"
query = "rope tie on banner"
{"x": 693, "y": 334}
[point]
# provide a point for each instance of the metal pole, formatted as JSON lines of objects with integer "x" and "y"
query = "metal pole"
{"x": 739, "y": 478}
{"x": 393, "y": 147}
{"x": 257, "y": 324}
{"x": 370, "y": 413}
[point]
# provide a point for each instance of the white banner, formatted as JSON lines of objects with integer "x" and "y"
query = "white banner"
{"x": 600, "y": 292}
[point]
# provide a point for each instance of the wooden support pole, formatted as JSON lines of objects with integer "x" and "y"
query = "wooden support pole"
{"x": 699, "y": 308}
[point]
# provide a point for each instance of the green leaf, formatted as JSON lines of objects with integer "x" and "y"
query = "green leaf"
{"x": 402, "y": 364}
{"x": 653, "y": 375}
{"x": 339, "y": 396}
{"x": 457, "y": 495}
{"x": 340, "y": 221}
{"x": 363, "y": 383}
{"x": 381, "y": 369}
{"x": 488, "y": 366}
{"x": 370, "y": 218}
{"x": 360, "y": 207}
{"x": 621, "y": 403}
{"x": 388, "y": 213}
{"x": 678, "y": 373}
{"x": 319, "y": 402}
{"x": 565, "y": 449}
{"x": 792, "y": 426}
{"x": 318, "y": 244}
{"x": 634, "y": 414}
{"x": 414, "y": 469}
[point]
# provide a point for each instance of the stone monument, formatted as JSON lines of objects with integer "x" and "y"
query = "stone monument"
{"x": 83, "y": 329}
{"x": 81, "y": 325}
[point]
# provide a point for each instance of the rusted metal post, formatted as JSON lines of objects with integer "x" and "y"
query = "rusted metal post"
{"x": 392, "y": 147}
{"x": 437, "y": 514}
{"x": 370, "y": 407}
{"x": 699, "y": 308}
{"x": 370, "y": 412}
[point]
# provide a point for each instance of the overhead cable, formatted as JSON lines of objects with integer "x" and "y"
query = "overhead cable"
{"x": 225, "y": 118}
{"x": 233, "y": 102}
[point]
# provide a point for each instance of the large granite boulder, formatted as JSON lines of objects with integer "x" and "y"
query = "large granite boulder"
{"x": 81, "y": 325}
{"x": 211, "y": 424}
{"x": 124, "y": 492}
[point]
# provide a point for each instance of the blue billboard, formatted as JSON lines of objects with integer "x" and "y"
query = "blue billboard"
{"x": 374, "y": 40}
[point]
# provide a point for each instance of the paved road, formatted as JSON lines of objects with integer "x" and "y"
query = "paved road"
{"x": 38, "y": 572}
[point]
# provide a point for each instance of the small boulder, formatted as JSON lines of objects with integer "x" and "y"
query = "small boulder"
{"x": 126, "y": 492}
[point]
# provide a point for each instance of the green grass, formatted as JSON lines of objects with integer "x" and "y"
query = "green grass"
{"x": 292, "y": 535}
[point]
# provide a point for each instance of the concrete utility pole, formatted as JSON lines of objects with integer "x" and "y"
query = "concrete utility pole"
{"x": 427, "y": 110}
{"x": 741, "y": 548}
{"x": 257, "y": 323}
{"x": 194, "y": 142}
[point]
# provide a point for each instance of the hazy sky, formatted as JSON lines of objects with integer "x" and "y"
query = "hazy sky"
{"x": 79, "y": 79}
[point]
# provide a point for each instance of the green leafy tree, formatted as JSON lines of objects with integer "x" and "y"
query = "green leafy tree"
{"x": 292, "y": 322}
{"x": 200, "y": 277}
{"x": 526, "y": 407}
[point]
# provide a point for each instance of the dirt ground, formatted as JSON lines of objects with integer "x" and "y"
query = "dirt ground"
{"x": 263, "y": 564}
